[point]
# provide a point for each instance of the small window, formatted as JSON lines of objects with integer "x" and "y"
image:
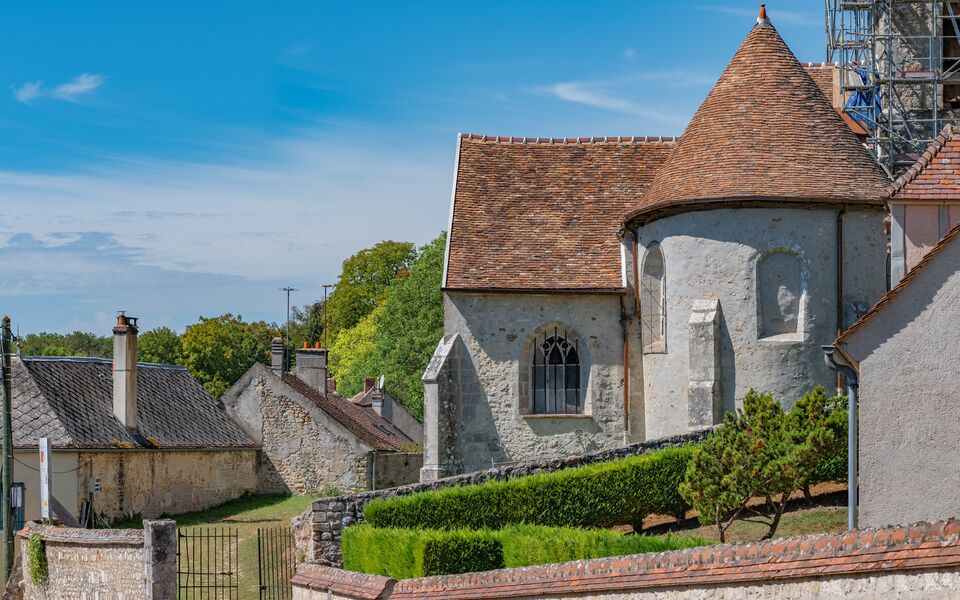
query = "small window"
{"x": 779, "y": 290}
{"x": 653, "y": 300}
{"x": 556, "y": 375}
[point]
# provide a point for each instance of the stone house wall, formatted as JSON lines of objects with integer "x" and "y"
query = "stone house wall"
{"x": 304, "y": 450}
{"x": 919, "y": 562}
{"x": 328, "y": 516}
{"x": 153, "y": 483}
{"x": 497, "y": 333}
{"x": 908, "y": 354}
{"x": 716, "y": 255}
{"x": 107, "y": 564}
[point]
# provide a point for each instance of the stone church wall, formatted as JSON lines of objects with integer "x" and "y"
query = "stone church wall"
{"x": 497, "y": 331}
{"x": 716, "y": 255}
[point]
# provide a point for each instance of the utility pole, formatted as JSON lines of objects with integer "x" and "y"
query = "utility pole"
{"x": 6, "y": 350}
{"x": 286, "y": 344}
{"x": 326, "y": 287}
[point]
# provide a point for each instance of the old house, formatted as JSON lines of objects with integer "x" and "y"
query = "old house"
{"x": 606, "y": 290}
{"x": 127, "y": 438}
{"x": 314, "y": 439}
{"x": 905, "y": 352}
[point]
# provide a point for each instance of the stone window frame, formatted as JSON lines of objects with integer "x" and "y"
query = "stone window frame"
{"x": 525, "y": 384}
{"x": 800, "y": 335}
{"x": 658, "y": 346}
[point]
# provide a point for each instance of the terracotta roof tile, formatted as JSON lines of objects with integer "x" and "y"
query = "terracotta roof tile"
{"x": 766, "y": 131}
{"x": 544, "y": 213}
{"x": 936, "y": 175}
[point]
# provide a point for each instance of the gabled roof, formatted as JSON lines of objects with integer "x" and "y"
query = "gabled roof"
{"x": 936, "y": 175}
{"x": 367, "y": 425}
{"x": 70, "y": 401}
{"x": 766, "y": 132}
{"x": 903, "y": 283}
{"x": 534, "y": 214}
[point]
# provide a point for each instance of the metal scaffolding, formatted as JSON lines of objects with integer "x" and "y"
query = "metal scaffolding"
{"x": 899, "y": 70}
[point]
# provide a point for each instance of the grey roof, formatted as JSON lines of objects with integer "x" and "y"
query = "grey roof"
{"x": 70, "y": 401}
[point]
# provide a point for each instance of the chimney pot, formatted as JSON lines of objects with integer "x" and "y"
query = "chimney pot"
{"x": 277, "y": 352}
{"x": 125, "y": 371}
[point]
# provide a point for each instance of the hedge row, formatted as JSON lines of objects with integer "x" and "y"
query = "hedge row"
{"x": 600, "y": 495}
{"x": 405, "y": 553}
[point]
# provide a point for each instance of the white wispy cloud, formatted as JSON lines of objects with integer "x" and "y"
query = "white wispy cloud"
{"x": 69, "y": 91}
{"x": 776, "y": 15}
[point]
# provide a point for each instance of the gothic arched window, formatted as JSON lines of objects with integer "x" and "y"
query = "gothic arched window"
{"x": 556, "y": 375}
{"x": 653, "y": 299}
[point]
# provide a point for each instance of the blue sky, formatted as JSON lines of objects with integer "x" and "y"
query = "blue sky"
{"x": 179, "y": 159}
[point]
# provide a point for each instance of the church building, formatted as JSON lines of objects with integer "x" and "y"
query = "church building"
{"x": 604, "y": 291}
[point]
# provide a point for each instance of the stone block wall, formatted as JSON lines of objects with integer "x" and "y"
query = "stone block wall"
{"x": 918, "y": 562}
{"x": 107, "y": 564}
{"x": 328, "y": 516}
{"x": 391, "y": 469}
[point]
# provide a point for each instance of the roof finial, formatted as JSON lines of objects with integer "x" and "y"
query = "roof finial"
{"x": 762, "y": 19}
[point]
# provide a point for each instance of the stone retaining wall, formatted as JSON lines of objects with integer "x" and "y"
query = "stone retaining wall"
{"x": 920, "y": 562}
{"x": 329, "y": 516}
{"x": 107, "y": 564}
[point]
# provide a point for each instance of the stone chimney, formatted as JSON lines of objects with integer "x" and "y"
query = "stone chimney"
{"x": 125, "y": 371}
{"x": 380, "y": 402}
{"x": 276, "y": 356}
{"x": 368, "y": 384}
{"x": 312, "y": 366}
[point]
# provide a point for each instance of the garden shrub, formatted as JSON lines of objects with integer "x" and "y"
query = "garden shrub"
{"x": 405, "y": 553}
{"x": 821, "y": 423}
{"x": 599, "y": 495}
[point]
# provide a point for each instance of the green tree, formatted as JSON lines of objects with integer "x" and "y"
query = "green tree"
{"x": 364, "y": 281}
{"x": 78, "y": 343}
{"x": 757, "y": 453}
{"x": 410, "y": 325}
{"x": 821, "y": 422}
{"x": 353, "y": 354}
{"x": 219, "y": 350}
{"x": 306, "y": 324}
{"x": 160, "y": 345}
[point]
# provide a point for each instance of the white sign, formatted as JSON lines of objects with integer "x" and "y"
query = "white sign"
{"x": 45, "y": 482}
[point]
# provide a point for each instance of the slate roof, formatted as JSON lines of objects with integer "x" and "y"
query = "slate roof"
{"x": 765, "y": 132}
{"x": 543, "y": 214}
{"x": 936, "y": 175}
{"x": 371, "y": 428}
{"x": 70, "y": 400}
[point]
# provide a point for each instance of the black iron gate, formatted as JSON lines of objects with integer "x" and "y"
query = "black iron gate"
{"x": 277, "y": 562}
{"x": 207, "y": 563}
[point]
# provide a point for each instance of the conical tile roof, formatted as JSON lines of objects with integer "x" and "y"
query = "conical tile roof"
{"x": 765, "y": 132}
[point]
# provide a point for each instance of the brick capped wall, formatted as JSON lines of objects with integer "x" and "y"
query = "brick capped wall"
{"x": 328, "y": 516}
{"x": 919, "y": 561}
{"x": 107, "y": 564}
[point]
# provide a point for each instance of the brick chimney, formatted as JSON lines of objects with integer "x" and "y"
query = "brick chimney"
{"x": 276, "y": 356}
{"x": 368, "y": 384}
{"x": 125, "y": 371}
{"x": 380, "y": 402}
{"x": 312, "y": 366}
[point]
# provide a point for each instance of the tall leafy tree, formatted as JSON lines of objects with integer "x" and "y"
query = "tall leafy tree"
{"x": 160, "y": 345}
{"x": 219, "y": 350}
{"x": 78, "y": 343}
{"x": 410, "y": 325}
{"x": 353, "y": 354}
{"x": 365, "y": 280}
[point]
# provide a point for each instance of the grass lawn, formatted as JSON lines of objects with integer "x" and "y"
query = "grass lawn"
{"x": 244, "y": 515}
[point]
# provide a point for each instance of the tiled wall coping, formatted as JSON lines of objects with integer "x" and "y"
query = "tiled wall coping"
{"x": 891, "y": 549}
{"x": 85, "y": 537}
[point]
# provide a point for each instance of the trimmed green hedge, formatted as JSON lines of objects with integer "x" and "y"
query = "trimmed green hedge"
{"x": 405, "y": 553}
{"x": 599, "y": 495}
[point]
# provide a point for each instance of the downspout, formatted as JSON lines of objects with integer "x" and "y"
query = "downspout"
{"x": 839, "y": 299}
{"x": 853, "y": 389}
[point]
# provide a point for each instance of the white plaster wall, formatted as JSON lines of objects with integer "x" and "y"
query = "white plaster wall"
{"x": 714, "y": 254}
{"x": 26, "y": 470}
{"x": 494, "y": 329}
{"x": 909, "y": 357}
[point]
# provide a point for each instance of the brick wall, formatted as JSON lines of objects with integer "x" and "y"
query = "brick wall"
{"x": 920, "y": 561}
{"x": 107, "y": 564}
{"x": 329, "y": 516}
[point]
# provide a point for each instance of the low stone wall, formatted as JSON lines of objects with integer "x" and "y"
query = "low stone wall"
{"x": 396, "y": 468}
{"x": 919, "y": 562}
{"x": 107, "y": 564}
{"x": 329, "y": 516}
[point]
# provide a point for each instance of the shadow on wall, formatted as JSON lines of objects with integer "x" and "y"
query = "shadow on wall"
{"x": 477, "y": 440}
{"x": 728, "y": 367}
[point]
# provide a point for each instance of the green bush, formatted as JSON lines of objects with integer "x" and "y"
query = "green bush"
{"x": 600, "y": 495}
{"x": 37, "y": 559}
{"x": 405, "y": 553}
{"x": 821, "y": 423}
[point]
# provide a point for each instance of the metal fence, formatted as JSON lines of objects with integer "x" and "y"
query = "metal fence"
{"x": 207, "y": 560}
{"x": 278, "y": 562}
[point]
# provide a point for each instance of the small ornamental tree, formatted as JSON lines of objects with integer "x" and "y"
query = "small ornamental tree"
{"x": 755, "y": 454}
{"x": 821, "y": 424}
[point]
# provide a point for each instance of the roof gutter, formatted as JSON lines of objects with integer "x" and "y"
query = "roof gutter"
{"x": 837, "y": 361}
